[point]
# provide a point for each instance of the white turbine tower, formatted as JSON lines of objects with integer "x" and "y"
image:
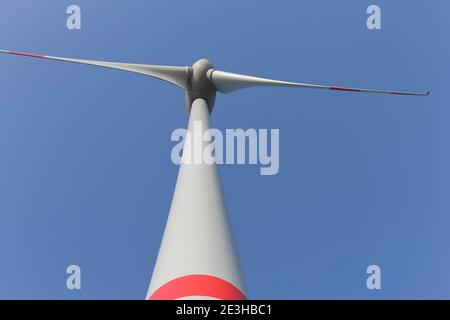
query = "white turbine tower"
{"x": 197, "y": 259}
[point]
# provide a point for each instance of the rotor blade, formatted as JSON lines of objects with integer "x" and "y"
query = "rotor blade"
{"x": 227, "y": 82}
{"x": 175, "y": 75}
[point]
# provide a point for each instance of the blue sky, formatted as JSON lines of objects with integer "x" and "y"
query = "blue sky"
{"x": 85, "y": 170}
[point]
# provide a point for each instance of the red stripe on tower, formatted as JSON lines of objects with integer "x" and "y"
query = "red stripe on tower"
{"x": 27, "y": 54}
{"x": 198, "y": 285}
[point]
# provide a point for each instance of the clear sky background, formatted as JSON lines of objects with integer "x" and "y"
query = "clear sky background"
{"x": 86, "y": 176}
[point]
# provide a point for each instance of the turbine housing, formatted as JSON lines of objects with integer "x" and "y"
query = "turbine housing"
{"x": 199, "y": 86}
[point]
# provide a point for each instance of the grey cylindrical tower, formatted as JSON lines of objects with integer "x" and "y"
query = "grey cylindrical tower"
{"x": 197, "y": 258}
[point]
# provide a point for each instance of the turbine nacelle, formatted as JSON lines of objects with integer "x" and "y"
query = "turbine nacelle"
{"x": 199, "y": 86}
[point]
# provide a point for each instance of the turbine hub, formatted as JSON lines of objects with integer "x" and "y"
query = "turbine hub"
{"x": 199, "y": 85}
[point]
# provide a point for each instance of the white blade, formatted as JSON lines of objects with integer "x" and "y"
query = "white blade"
{"x": 227, "y": 82}
{"x": 175, "y": 75}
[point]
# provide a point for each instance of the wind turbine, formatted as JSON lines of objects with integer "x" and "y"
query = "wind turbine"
{"x": 197, "y": 259}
